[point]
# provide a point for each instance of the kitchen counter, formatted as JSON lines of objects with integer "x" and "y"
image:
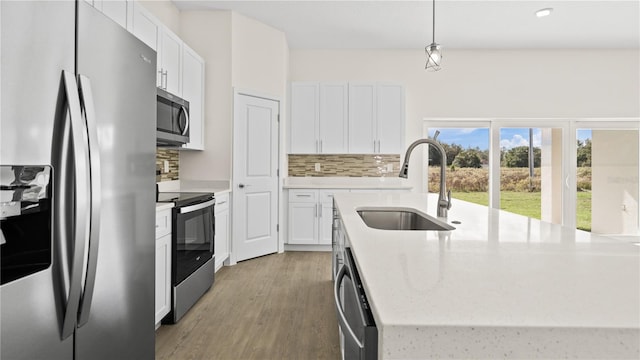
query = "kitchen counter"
{"x": 217, "y": 187}
{"x": 375, "y": 183}
{"x": 499, "y": 286}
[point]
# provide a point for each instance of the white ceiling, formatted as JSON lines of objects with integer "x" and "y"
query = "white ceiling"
{"x": 475, "y": 24}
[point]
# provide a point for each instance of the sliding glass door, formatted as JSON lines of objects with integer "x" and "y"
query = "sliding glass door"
{"x": 582, "y": 174}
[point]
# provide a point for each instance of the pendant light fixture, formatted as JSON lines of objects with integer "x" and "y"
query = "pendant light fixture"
{"x": 433, "y": 51}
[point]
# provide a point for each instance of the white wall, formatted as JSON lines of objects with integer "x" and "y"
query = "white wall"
{"x": 614, "y": 182}
{"x": 239, "y": 52}
{"x": 209, "y": 34}
{"x": 260, "y": 57}
{"x": 488, "y": 83}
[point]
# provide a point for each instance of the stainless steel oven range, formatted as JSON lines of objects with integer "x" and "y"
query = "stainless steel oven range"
{"x": 192, "y": 252}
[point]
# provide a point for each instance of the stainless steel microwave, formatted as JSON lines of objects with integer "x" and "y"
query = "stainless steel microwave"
{"x": 173, "y": 120}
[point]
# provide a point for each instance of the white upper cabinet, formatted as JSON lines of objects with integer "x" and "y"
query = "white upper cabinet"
{"x": 319, "y": 118}
{"x": 346, "y": 118}
{"x": 304, "y": 118}
{"x": 170, "y": 62}
{"x": 362, "y": 115}
{"x": 376, "y": 118}
{"x": 120, "y": 11}
{"x": 168, "y": 46}
{"x": 193, "y": 92}
{"x": 333, "y": 122}
{"x": 390, "y": 118}
{"x": 145, "y": 26}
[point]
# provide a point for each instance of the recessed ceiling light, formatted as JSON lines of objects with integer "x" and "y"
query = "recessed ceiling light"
{"x": 544, "y": 12}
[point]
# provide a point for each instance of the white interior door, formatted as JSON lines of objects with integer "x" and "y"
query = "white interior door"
{"x": 255, "y": 178}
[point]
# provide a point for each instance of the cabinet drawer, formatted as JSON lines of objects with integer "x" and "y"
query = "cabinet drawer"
{"x": 306, "y": 196}
{"x": 326, "y": 196}
{"x": 222, "y": 202}
{"x": 163, "y": 223}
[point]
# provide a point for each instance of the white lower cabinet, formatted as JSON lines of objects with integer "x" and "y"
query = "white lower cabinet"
{"x": 163, "y": 264}
{"x": 303, "y": 217}
{"x": 222, "y": 224}
{"x": 310, "y": 216}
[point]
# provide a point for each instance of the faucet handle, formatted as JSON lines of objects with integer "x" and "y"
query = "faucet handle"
{"x": 448, "y": 199}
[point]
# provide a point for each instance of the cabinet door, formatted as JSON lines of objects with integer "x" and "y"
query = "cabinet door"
{"x": 390, "y": 118}
{"x": 171, "y": 61}
{"x": 304, "y": 118}
{"x": 116, "y": 10}
{"x": 333, "y": 121}
{"x": 222, "y": 223}
{"x": 303, "y": 223}
{"x": 145, "y": 26}
{"x": 163, "y": 277}
{"x": 362, "y": 114}
{"x": 326, "y": 224}
{"x": 221, "y": 242}
{"x": 193, "y": 92}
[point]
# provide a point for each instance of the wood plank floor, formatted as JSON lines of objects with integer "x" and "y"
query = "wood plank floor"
{"x": 278, "y": 306}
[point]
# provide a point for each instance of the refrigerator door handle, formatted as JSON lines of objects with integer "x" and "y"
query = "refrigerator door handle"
{"x": 96, "y": 199}
{"x": 81, "y": 198}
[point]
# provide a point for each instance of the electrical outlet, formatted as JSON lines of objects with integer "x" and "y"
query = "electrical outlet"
{"x": 317, "y": 166}
{"x": 389, "y": 167}
{"x": 166, "y": 166}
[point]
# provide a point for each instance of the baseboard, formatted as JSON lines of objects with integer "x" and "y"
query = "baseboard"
{"x": 296, "y": 247}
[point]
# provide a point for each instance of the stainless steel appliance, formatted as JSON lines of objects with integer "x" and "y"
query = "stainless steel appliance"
{"x": 358, "y": 332}
{"x": 173, "y": 119}
{"x": 78, "y": 156}
{"x": 192, "y": 251}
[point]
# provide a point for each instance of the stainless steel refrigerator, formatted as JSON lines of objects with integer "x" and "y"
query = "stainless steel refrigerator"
{"x": 77, "y": 166}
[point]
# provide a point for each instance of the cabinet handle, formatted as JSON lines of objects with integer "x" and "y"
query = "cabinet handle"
{"x": 166, "y": 79}
{"x": 320, "y": 146}
{"x": 320, "y": 210}
{"x": 222, "y": 202}
{"x": 303, "y": 195}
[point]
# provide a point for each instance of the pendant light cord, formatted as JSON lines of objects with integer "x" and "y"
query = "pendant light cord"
{"x": 434, "y": 21}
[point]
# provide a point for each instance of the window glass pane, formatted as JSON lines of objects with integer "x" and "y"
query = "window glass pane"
{"x": 607, "y": 181}
{"x": 531, "y": 185}
{"x": 467, "y": 163}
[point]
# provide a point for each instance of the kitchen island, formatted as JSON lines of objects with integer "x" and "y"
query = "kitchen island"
{"x": 500, "y": 285}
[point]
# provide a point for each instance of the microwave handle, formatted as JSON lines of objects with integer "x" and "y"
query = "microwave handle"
{"x": 341, "y": 318}
{"x": 186, "y": 115}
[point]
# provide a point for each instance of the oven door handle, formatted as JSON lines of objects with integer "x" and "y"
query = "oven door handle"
{"x": 342, "y": 319}
{"x": 192, "y": 208}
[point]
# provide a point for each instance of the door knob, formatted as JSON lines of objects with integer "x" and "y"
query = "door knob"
{"x": 241, "y": 186}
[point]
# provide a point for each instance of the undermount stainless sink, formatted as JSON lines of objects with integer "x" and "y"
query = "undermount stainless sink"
{"x": 388, "y": 219}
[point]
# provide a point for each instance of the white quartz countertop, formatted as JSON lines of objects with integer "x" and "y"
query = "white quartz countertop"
{"x": 497, "y": 270}
{"x": 217, "y": 187}
{"x": 378, "y": 183}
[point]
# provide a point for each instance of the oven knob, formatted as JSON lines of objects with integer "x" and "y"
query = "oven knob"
{"x": 198, "y": 258}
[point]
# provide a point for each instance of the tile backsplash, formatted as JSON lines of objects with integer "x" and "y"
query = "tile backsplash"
{"x": 351, "y": 165}
{"x": 173, "y": 157}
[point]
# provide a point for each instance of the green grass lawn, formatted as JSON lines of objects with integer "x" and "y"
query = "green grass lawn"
{"x": 528, "y": 204}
